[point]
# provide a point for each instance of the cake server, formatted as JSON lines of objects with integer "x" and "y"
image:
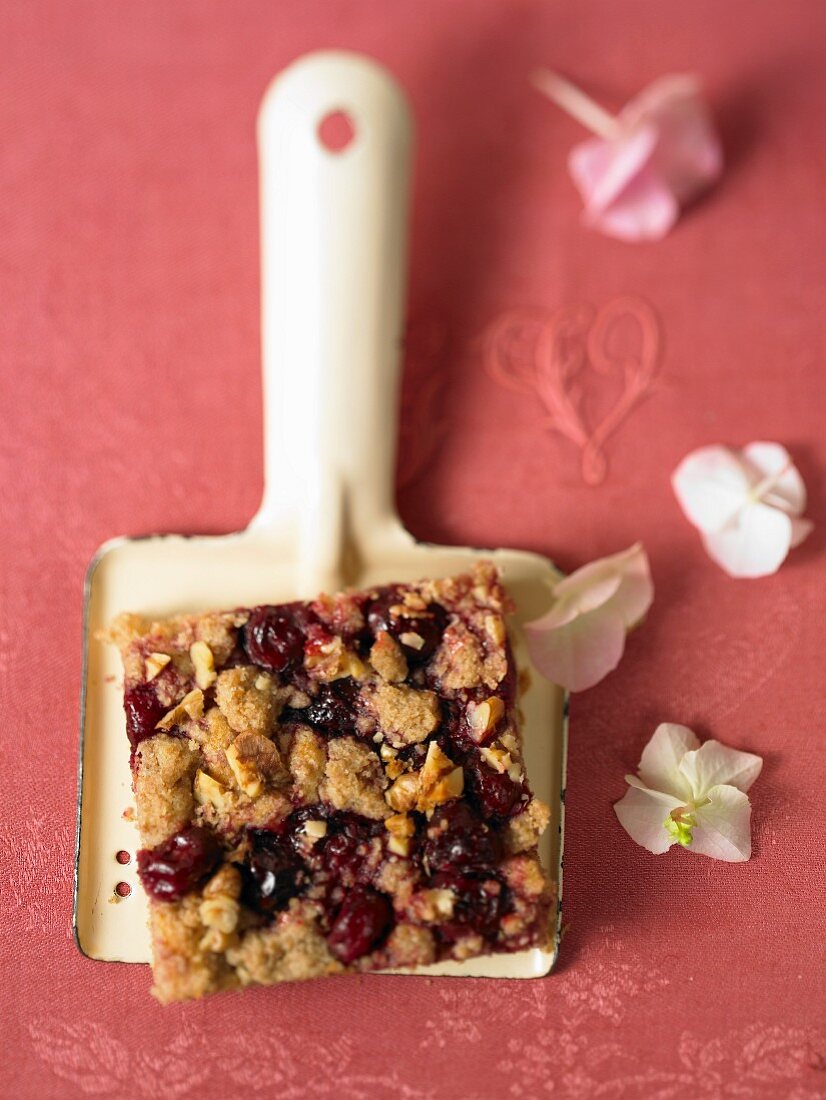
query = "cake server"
{"x": 333, "y": 248}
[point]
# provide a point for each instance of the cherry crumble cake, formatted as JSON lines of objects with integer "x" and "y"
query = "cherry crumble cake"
{"x": 332, "y": 786}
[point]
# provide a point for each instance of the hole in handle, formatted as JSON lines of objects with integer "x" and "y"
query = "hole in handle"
{"x": 336, "y": 131}
{"x": 123, "y": 889}
{"x": 123, "y": 857}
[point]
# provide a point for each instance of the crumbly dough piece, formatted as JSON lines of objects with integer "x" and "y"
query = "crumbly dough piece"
{"x": 354, "y": 779}
{"x": 164, "y": 775}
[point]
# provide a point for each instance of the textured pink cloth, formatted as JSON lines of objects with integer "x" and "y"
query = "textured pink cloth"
{"x": 129, "y": 390}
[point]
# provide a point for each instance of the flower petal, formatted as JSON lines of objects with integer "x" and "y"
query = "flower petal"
{"x": 583, "y": 591}
{"x": 660, "y": 761}
{"x": 771, "y": 460}
{"x": 723, "y": 829}
{"x": 689, "y": 155}
{"x": 711, "y": 486}
{"x": 642, "y": 814}
{"x": 636, "y": 591}
{"x": 754, "y": 544}
{"x": 580, "y": 653}
{"x": 603, "y": 174}
{"x": 713, "y": 764}
{"x": 801, "y": 529}
{"x": 645, "y": 210}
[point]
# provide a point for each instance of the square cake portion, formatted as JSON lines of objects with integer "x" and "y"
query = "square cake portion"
{"x": 332, "y": 786}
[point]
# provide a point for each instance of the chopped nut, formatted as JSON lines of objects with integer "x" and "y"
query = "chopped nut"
{"x": 226, "y": 882}
{"x": 191, "y": 706}
{"x": 414, "y": 601}
{"x": 450, "y": 787}
{"x": 220, "y": 913}
{"x": 440, "y": 779}
{"x": 498, "y": 759}
{"x": 394, "y": 768}
{"x": 401, "y": 828}
{"x": 254, "y": 759}
{"x": 404, "y": 794}
{"x": 204, "y": 662}
{"x": 315, "y": 829}
{"x": 436, "y": 766}
{"x": 209, "y": 790}
{"x": 509, "y": 742}
{"x": 495, "y": 628}
{"x": 483, "y": 717}
{"x": 412, "y": 640}
{"x": 399, "y": 845}
{"x": 333, "y": 661}
{"x": 262, "y": 682}
{"x": 154, "y": 664}
{"x": 387, "y": 752}
{"x": 433, "y": 906}
{"x": 217, "y": 942}
{"x": 400, "y": 825}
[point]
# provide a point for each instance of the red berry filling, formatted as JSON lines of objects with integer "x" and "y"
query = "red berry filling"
{"x": 180, "y": 864}
{"x": 273, "y": 640}
{"x": 360, "y": 924}
{"x": 429, "y": 625}
{"x": 143, "y": 712}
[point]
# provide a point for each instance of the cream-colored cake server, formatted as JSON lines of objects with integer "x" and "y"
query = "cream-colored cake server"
{"x": 333, "y": 263}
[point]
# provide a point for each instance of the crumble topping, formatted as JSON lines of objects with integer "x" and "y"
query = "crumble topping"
{"x": 354, "y": 779}
{"x": 332, "y": 786}
{"x": 405, "y": 714}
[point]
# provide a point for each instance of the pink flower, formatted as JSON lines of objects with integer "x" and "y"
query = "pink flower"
{"x": 748, "y": 505}
{"x": 646, "y": 163}
{"x": 690, "y": 794}
{"x": 582, "y": 637}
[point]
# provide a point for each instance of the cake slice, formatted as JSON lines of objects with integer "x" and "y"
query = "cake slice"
{"x": 332, "y": 786}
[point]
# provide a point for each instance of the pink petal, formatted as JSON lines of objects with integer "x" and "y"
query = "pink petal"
{"x": 645, "y": 210}
{"x": 642, "y": 814}
{"x": 711, "y": 485}
{"x": 581, "y": 592}
{"x": 771, "y": 460}
{"x": 580, "y": 653}
{"x": 624, "y": 579}
{"x": 754, "y": 544}
{"x": 723, "y": 829}
{"x": 688, "y": 155}
{"x": 602, "y": 170}
{"x": 713, "y": 764}
{"x": 660, "y": 761}
{"x": 636, "y": 591}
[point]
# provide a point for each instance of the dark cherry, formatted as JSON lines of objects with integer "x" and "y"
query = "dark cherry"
{"x": 143, "y": 712}
{"x": 457, "y": 840}
{"x": 429, "y": 626}
{"x": 361, "y": 922}
{"x": 178, "y": 865}
{"x": 273, "y": 872}
{"x": 343, "y": 852}
{"x": 272, "y": 639}
{"x": 333, "y": 708}
{"x": 479, "y": 903}
{"x": 495, "y": 793}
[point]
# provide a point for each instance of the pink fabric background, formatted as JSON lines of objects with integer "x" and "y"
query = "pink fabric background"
{"x": 129, "y": 389}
